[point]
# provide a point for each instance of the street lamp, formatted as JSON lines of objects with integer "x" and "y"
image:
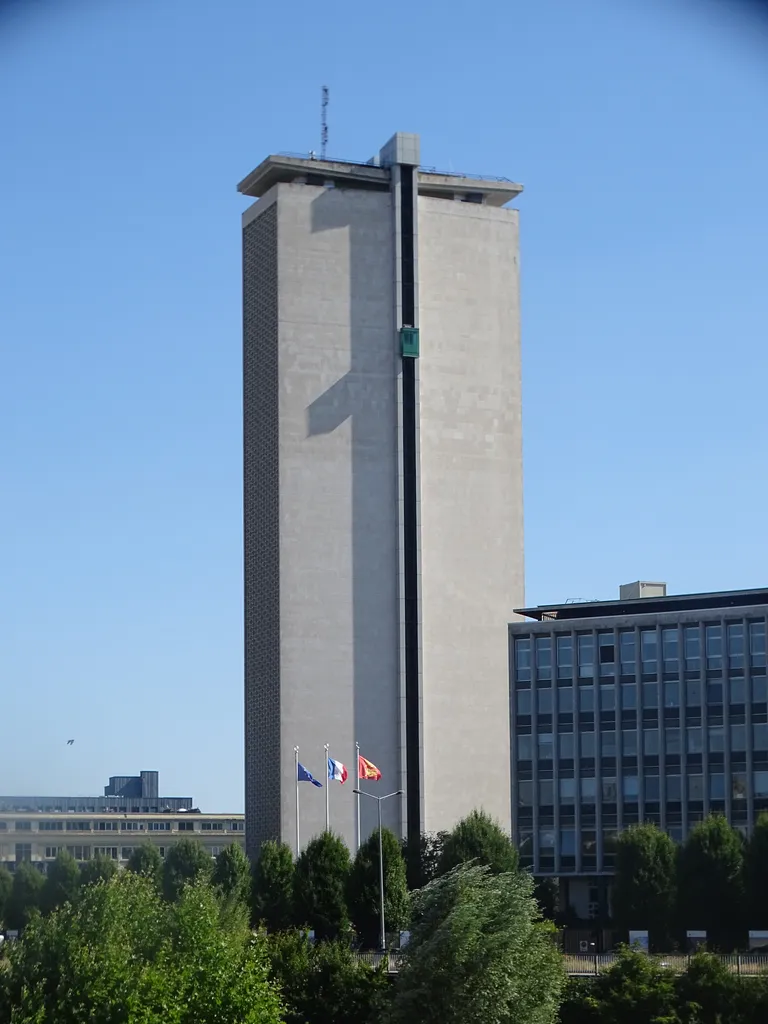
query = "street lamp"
{"x": 379, "y": 800}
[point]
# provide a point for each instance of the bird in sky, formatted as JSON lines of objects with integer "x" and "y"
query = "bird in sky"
{"x": 70, "y": 742}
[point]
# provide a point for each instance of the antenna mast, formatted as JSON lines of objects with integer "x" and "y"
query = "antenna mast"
{"x": 324, "y": 123}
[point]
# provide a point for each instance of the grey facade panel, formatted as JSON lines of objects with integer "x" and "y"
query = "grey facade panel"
{"x": 261, "y": 497}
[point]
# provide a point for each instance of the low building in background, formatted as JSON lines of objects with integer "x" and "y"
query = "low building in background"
{"x": 651, "y": 708}
{"x": 37, "y": 829}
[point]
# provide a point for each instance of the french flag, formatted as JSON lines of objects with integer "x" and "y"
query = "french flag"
{"x": 337, "y": 772}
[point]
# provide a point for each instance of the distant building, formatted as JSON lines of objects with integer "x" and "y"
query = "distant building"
{"x": 651, "y": 708}
{"x": 136, "y": 794}
{"x": 38, "y": 828}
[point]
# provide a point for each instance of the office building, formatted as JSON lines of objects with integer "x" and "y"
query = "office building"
{"x": 651, "y": 708}
{"x": 136, "y": 794}
{"x": 382, "y": 486}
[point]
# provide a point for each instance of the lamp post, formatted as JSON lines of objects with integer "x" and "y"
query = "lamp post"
{"x": 379, "y": 800}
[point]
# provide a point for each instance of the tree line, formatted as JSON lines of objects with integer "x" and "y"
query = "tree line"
{"x": 715, "y": 882}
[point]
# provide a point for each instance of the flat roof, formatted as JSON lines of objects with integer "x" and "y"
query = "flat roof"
{"x": 647, "y": 605}
{"x": 278, "y": 168}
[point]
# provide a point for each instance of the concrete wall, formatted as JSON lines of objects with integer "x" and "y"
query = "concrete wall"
{"x": 471, "y": 502}
{"x": 338, "y": 501}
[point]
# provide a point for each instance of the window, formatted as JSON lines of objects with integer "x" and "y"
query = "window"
{"x": 565, "y": 700}
{"x": 717, "y": 787}
{"x": 587, "y": 744}
{"x": 760, "y": 784}
{"x": 759, "y": 737}
{"x": 586, "y": 654}
{"x": 672, "y": 695}
{"x": 78, "y": 826}
{"x": 692, "y": 646}
{"x": 629, "y": 742}
{"x": 610, "y": 791}
{"x": 524, "y": 753}
{"x": 131, "y": 826}
{"x": 628, "y": 696}
{"x": 693, "y": 693}
{"x": 588, "y": 791}
{"x": 739, "y": 786}
{"x": 238, "y": 826}
{"x": 608, "y": 744}
{"x": 543, "y": 657}
{"x": 586, "y": 698}
{"x": 546, "y": 840}
{"x": 106, "y": 851}
{"x": 651, "y": 741}
{"x": 674, "y": 788}
{"x": 672, "y": 744}
{"x": 3, "y": 826}
{"x": 606, "y": 654}
{"x": 215, "y": 850}
{"x": 544, "y": 702}
{"x": 630, "y": 787}
{"x": 51, "y": 852}
{"x": 695, "y": 740}
{"x": 716, "y": 739}
{"x": 759, "y": 690}
{"x": 736, "y": 646}
{"x": 546, "y": 792}
{"x": 564, "y": 657}
{"x": 23, "y": 826}
{"x": 648, "y": 655}
{"x": 670, "y": 651}
{"x": 189, "y": 826}
{"x": 106, "y": 826}
{"x": 714, "y": 647}
{"x": 526, "y": 847}
{"x": 650, "y": 695}
{"x": 607, "y": 698}
{"x": 589, "y": 844}
{"x": 546, "y": 753}
{"x": 126, "y": 852}
{"x": 652, "y": 787}
{"x": 627, "y": 652}
{"x": 218, "y": 826}
{"x": 23, "y": 852}
{"x": 738, "y": 737}
{"x": 568, "y": 842}
{"x": 738, "y": 691}
{"x": 567, "y": 745}
{"x": 567, "y": 791}
{"x": 525, "y": 794}
{"x": 714, "y": 692}
{"x": 695, "y": 787}
{"x": 757, "y": 644}
{"x": 523, "y": 658}
{"x": 80, "y": 852}
{"x": 51, "y": 826}
{"x": 524, "y": 702}
{"x": 158, "y": 826}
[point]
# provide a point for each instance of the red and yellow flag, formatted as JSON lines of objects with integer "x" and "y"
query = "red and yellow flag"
{"x": 367, "y": 770}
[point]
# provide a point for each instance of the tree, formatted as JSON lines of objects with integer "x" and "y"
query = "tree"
{"x": 272, "y": 889}
{"x": 478, "y": 838}
{"x": 62, "y": 883}
{"x": 123, "y": 954}
{"x": 422, "y": 857}
{"x": 146, "y": 860}
{"x": 6, "y": 885}
{"x": 185, "y": 862}
{"x": 100, "y": 869}
{"x": 479, "y": 951}
{"x": 636, "y": 990}
{"x": 645, "y": 887}
{"x": 547, "y": 894}
{"x": 319, "y": 886}
{"x": 25, "y": 897}
{"x": 363, "y": 897}
{"x": 710, "y": 881}
{"x": 323, "y": 983}
{"x": 756, "y": 873}
{"x": 232, "y": 874}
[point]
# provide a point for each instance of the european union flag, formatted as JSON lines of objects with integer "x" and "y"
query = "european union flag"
{"x": 305, "y": 776}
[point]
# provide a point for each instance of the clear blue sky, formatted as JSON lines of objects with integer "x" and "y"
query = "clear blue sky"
{"x": 639, "y": 131}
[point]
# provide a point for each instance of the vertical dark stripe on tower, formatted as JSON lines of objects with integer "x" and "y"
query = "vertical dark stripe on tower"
{"x": 410, "y": 513}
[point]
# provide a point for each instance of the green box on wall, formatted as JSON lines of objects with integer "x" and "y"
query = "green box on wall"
{"x": 409, "y": 342}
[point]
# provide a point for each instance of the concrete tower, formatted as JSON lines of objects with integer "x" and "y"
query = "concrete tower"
{"x": 383, "y": 488}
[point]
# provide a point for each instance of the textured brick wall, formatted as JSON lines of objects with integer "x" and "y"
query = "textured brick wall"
{"x": 262, "y": 531}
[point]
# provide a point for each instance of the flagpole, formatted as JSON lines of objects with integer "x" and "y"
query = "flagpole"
{"x": 296, "y": 776}
{"x": 357, "y": 774}
{"x": 327, "y": 788}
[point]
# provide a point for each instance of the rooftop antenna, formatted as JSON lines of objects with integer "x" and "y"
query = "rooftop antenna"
{"x": 324, "y": 123}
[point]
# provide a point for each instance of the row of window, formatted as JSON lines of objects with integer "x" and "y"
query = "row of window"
{"x": 565, "y": 699}
{"x": 23, "y": 851}
{"x": 124, "y": 826}
{"x": 608, "y": 789}
{"x": 668, "y": 647}
{"x": 546, "y": 746}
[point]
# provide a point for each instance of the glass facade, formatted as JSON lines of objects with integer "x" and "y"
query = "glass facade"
{"x": 665, "y": 722}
